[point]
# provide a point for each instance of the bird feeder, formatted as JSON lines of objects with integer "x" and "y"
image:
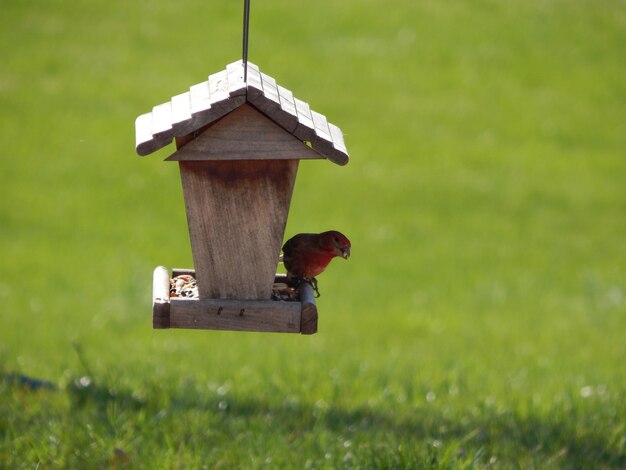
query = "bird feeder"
{"x": 239, "y": 139}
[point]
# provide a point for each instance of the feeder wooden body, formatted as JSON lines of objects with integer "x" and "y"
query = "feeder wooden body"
{"x": 238, "y": 177}
{"x": 238, "y": 148}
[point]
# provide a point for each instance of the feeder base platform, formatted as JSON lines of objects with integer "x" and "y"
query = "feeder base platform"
{"x": 276, "y": 316}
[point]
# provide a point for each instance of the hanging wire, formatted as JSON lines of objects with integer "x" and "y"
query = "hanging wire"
{"x": 246, "y": 27}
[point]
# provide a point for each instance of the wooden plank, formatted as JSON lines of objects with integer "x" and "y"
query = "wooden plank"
{"x": 181, "y": 113}
{"x": 287, "y": 103}
{"x": 267, "y": 101}
{"x": 279, "y": 277}
{"x": 308, "y": 318}
{"x": 304, "y": 113}
{"x": 236, "y": 315}
{"x": 305, "y": 129}
{"x": 289, "y": 119}
{"x": 218, "y": 87}
{"x": 236, "y": 85}
{"x": 270, "y": 89}
{"x": 162, "y": 121}
{"x": 337, "y": 136}
{"x": 200, "y": 104}
{"x": 244, "y": 134}
{"x": 236, "y": 213}
{"x": 323, "y": 142}
{"x": 255, "y": 86}
{"x": 181, "y": 271}
{"x": 321, "y": 126}
{"x": 144, "y": 142}
{"x": 200, "y": 97}
{"x": 327, "y": 149}
{"x": 160, "y": 298}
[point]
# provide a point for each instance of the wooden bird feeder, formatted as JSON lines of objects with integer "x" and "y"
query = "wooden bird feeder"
{"x": 238, "y": 145}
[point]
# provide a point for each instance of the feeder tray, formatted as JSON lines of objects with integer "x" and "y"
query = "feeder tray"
{"x": 277, "y": 316}
{"x": 239, "y": 139}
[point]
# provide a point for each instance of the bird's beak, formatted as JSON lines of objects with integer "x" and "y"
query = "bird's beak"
{"x": 345, "y": 253}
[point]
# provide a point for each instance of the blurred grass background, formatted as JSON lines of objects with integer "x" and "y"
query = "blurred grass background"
{"x": 480, "y": 320}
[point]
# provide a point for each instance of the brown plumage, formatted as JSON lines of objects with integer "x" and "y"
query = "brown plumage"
{"x": 307, "y": 255}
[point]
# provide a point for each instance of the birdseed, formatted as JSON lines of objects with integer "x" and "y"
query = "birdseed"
{"x": 185, "y": 286}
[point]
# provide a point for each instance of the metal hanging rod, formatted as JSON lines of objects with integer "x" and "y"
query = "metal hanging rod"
{"x": 246, "y": 28}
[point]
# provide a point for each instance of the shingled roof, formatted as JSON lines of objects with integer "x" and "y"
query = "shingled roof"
{"x": 225, "y": 91}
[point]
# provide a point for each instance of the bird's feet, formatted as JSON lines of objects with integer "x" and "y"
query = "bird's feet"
{"x": 313, "y": 283}
{"x": 315, "y": 288}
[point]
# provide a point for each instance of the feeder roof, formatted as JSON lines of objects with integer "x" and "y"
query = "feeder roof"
{"x": 224, "y": 92}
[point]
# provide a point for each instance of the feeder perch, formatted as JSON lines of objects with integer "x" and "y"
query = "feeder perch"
{"x": 238, "y": 145}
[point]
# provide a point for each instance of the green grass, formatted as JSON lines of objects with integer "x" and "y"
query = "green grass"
{"x": 481, "y": 319}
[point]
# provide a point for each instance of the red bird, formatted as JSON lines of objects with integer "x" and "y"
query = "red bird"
{"x": 307, "y": 254}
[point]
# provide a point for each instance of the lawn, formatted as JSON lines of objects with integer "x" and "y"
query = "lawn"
{"x": 480, "y": 321}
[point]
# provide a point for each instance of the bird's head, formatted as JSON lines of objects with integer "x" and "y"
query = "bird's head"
{"x": 336, "y": 242}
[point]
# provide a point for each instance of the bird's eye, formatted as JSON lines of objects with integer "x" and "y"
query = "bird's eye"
{"x": 336, "y": 239}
